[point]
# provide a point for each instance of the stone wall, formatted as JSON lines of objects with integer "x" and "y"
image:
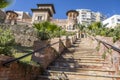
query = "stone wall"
{"x": 49, "y": 54}
{"x": 112, "y": 57}
{"x": 18, "y": 71}
{"x": 24, "y": 35}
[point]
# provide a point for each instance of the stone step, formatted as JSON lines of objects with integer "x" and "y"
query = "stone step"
{"x": 43, "y": 77}
{"x": 79, "y": 69}
{"x": 83, "y": 74}
{"x": 82, "y": 56}
{"x": 74, "y": 77}
{"x": 81, "y": 62}
{"x": 77, "y": 57}
{"x": 84, "y": 59}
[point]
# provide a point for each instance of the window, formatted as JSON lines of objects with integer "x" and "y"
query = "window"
{"x": 118, "y": 20}
{"x": 39, "y": 18}
{"x": 70, "y": 27}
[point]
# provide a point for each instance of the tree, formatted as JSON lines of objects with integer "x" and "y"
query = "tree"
{"x": 47, "y": 30}
{"x": 43, "y": 31}
{"x": 5, "y": 3}
{"x": 97, "y": 28}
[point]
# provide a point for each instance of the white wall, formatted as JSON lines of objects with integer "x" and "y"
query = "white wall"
{"x": 112, "y": 21}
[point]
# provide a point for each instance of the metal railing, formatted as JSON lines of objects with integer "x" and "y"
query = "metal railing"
{"x": 111, "y": 46}
{"x": 16, "y": 59}
{"x": 105, "y": 44}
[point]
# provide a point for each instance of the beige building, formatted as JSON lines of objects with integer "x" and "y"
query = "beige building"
{"x": 2, "y": 16}
{"x": 45, "y": 12}
{"x": 11, "y": 17}
{"x": 23, "y": 17}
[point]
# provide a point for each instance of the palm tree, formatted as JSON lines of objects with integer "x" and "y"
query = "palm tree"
{"x": 97, "y": 28}
{"x": 43, "y": 31}
{"x": 47, "y": 30}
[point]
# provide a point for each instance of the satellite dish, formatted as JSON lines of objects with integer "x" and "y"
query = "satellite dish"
{"x": 5, "y": 3}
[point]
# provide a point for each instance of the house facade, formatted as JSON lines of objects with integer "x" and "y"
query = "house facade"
{"x": 45, "y": 12}
{"x": 23, "y": 17}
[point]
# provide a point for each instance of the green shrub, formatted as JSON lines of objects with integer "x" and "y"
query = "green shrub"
{"x": 104, "y": 55}
{"x": 6, "y": 42}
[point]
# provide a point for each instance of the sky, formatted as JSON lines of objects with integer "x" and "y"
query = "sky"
{"x": 106, "y": 7}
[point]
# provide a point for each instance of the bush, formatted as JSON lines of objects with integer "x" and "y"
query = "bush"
{"x": 6, "y": 42}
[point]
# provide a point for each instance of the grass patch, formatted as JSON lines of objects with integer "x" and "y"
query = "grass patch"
{"x": 26, "y": 59}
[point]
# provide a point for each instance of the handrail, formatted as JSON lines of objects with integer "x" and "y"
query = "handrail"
{"x": 16, "y": 59}
{"x": 111, "y": 46}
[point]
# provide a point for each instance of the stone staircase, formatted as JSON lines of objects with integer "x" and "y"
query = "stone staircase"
{"x": 80, "y": 62}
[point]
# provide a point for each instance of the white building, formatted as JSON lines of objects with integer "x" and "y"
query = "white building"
{"x": 112, "y": 22}
{"x": 23, "y": 17}
{"x": 86, "y": 16}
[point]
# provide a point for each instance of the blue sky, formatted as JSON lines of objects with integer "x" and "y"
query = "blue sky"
{"x": 107, "y": 7}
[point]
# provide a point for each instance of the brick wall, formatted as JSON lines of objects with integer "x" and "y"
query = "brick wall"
{"x": 18, "y": 71}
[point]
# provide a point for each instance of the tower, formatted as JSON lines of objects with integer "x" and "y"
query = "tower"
{"x": 72, "y": 19}
{"x": 44, "y": 12}
{"x": 11, "y": 17}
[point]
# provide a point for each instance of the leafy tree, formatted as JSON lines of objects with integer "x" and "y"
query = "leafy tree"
{"x": 5, "y": 3}
{"x": 6, "y": 42}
